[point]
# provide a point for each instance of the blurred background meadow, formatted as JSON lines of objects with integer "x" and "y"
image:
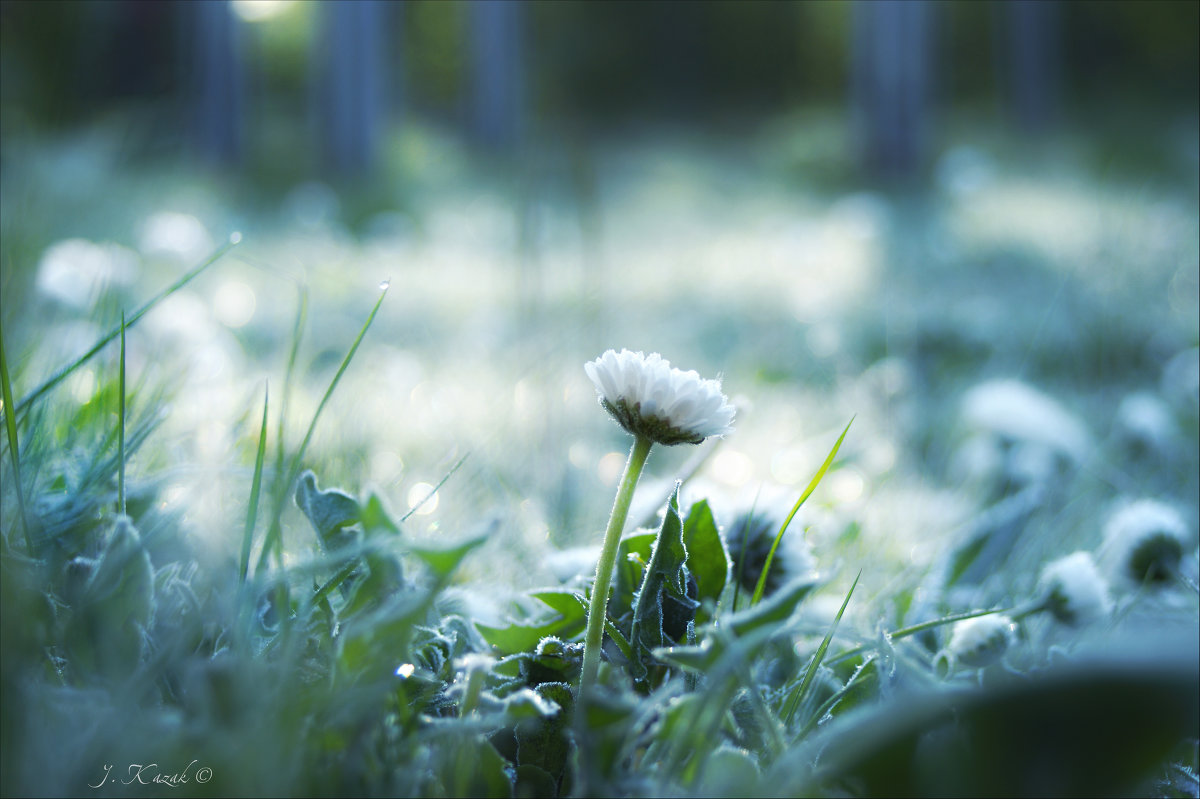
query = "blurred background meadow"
{"x": 971, "y": 226}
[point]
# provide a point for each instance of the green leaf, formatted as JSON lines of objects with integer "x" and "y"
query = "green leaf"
{"x": 526, "y": 703}
{"x": 707, "y": 559}
{"x": 524, "y": 637}
{"x": 443, "y": 562}
{"x": 328, "y": 511}
{"x": 473, "y": 767}
{"x": 375, "y": 518}
{"x": 812, "y": 486}
{"x": 665, "y": 575}
{"x": 570, "y": 604}
{"x": 534, "y": 780}
{"x": 1096, "y": 725}
{"x": 697, "y": 658}
{"x": 802, "y": 690}
{"x": 778, "y": 608}
{"x": 384, "y": 578}
{"x": 629, "y": 570}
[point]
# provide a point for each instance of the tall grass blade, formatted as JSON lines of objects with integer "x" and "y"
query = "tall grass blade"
{"x": 435, "y": 489}
{"x": 905, "y": 632}
{"x": 802, "y": 690}
{"x": 293, "y": 354}
{"x": 812, "y": 486}
{"x": 294, "y": 470}
{"x": 63, "y": 373}
{"x": 10, "y": 424}
{"x": 741, "y": 561}
{"x": 275, "y": 532}
{"x": 121, "y": 425}
{"x": 255, "y": 487}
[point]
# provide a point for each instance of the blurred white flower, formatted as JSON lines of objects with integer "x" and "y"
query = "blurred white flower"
{"x": 1181, "y": 381}
{"x": 1018, "y": 412}
{"x": 649, "y": 398}
{"x": 1144, "y": 540}
{"x": 174, "y": 235}
{"x": 1144, "y": 424}
{"x": 981, "y": 641}
{"x": 1077, "y": 592}
{"x": 76, "y": 271}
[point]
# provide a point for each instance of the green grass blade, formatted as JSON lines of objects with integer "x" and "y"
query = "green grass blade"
{"x": 63, "y": 373}
{"x": 741, "y": 561}
{"x": 832, "y": 702}
{"x": 334, "y": 582}
{"x": 802, "y": 690}
{"x": 10, "y": 424}
{"x": 294, "y": 470}
{"x": 293, "y": 354}
{"x": 435, "y": 489}
{"x": 121, "y": 425}
{"x": 255, "y": 487}
{"x": 812, "y": 486}
{"x": 275, "y": 532}
{"x": 905, "y": 632}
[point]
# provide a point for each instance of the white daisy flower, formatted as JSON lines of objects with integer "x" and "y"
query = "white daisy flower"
{"x": 981, "y": 641}
{"x": 1076, "y": 591}
{"x": 1144, "y": 540}
{"x": 651, "y": 399}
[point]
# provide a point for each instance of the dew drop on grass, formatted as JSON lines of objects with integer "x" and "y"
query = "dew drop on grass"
{"x": 235, "y": 237}
{"x": 384, "y": 285}
{"x": 405, "y": 670}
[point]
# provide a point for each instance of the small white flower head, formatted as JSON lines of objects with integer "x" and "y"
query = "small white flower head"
{"x": 649, "y": 398}
{"x": 981, "y": 641}
{"x": 1017, "y": 412}
{"x": 1077, "y": 593}
{"x": 1144, "y": 540}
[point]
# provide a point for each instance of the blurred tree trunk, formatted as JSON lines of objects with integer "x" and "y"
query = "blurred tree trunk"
{"x": 892, "y": 82}
{"x": 497, "y": 76}
{"x": 1030, "y": 57}
{"x": 349, "y": 84}
{"x": 218, "y": 82}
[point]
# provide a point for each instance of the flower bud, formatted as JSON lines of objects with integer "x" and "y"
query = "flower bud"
{"x": 981, "y": 641}
{"x": 1076, "y": 591}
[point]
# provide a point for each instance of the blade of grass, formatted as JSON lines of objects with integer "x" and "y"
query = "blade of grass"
{"x": 434, "y": 490}
{"x": 279, "y": 487}
{"x": 904, "y": 632}
{"x": 10, "y": 424}
{"x": 812, "y": 486}
{"x": 255, "y": 487}
{"x": 737, "y": 584}
{"x": 334, "y": 582}
{"x": 802, "y": 690}
{"x": 121, "y": 425}
{"x": 62, "y": 374}
{"x": 297, "y": 335}
{"x": 294, "y": 470}
{"x": 275, "y": 532}
{"x": 831, "y": 703}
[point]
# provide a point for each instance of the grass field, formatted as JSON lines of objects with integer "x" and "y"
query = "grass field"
{"x": 1016, "y": 343}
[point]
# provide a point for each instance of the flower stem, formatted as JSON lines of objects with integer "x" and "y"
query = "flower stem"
{"x": 598, "y": 607}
